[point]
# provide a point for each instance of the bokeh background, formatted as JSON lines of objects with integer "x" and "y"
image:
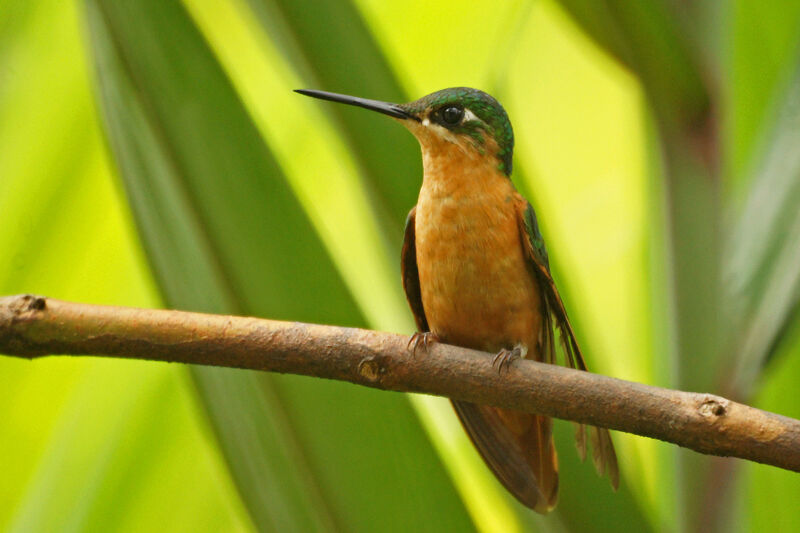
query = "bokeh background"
{"x": 152, "y": 154}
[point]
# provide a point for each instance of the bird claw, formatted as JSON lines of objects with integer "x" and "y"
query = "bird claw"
{"x": 505, "y": 357}
{"x": 424, "y": 339}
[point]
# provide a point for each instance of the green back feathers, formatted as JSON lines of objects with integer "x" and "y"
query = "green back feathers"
{"x": 491, "y": 118}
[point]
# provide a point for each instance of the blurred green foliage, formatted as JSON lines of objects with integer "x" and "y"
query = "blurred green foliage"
{"x": 152, "y": 153}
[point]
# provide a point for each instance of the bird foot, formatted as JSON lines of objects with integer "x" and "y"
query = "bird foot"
{"x": 505, "y": 357}
{"x": 421, "y": 339}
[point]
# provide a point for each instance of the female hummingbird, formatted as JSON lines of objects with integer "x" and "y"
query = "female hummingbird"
{"x": 476, "y": 274}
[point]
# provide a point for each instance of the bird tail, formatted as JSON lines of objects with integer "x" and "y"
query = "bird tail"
{"x": 518, "y": 448}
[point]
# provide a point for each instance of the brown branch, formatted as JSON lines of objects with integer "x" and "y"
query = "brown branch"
{"x": 32, "y": 326}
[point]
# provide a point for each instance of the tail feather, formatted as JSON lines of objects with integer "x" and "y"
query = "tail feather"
{"x": 580, "y": 440}
{"x": 518, "y": 448}
{"x": 603, "y": 455}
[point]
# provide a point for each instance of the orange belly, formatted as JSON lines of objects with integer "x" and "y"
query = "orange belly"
{"x": 477, "y": 290}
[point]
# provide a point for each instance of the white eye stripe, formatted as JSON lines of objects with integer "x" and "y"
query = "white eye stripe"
{"x": 469, "y": 116}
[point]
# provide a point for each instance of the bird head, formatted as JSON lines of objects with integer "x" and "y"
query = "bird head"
{"x": 458, "y": 119}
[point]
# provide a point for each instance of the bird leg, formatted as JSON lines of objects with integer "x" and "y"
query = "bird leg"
{"x": 420, "y": 338}
{"x": 505, "y": 356}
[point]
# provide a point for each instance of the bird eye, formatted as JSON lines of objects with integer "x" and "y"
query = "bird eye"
{"x": 452, "y": 115}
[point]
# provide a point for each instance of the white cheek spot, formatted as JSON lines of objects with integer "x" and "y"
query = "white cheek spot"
{"x": 469, "y": 116}
{"x": 426, "y": 122}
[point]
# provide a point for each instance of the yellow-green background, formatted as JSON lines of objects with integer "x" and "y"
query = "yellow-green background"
{"x": 185, "y": 112}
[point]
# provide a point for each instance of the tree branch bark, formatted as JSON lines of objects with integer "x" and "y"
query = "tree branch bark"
{"x": 32, "y": 326}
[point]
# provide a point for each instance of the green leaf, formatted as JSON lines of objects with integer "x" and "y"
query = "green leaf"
{"x": 763, "y": 248}
{"x": 225, "y": 233}
{"x": 654, "y": 43}
{"x": 69, "y": 431}
{"x": 648, "y": 38}
{"x": 85, "y": 444}
{"x": 762, "y": 41}
{"x": 770, "y": 495}
{"x": 330, "y": 46}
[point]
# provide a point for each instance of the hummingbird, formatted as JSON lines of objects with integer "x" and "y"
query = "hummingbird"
{"x": 476, "y": 274}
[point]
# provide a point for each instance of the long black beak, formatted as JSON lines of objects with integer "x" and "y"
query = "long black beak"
{"x": 393, "y": 110}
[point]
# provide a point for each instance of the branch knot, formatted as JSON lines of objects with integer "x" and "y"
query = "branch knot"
{"x": 371, "y": 369}
{"x": 713, "y": 407}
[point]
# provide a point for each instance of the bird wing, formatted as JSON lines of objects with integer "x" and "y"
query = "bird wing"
{"x": 555, "y": 318}
{"x": 410, "y": 272}
{"x": 516, "y": 446}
